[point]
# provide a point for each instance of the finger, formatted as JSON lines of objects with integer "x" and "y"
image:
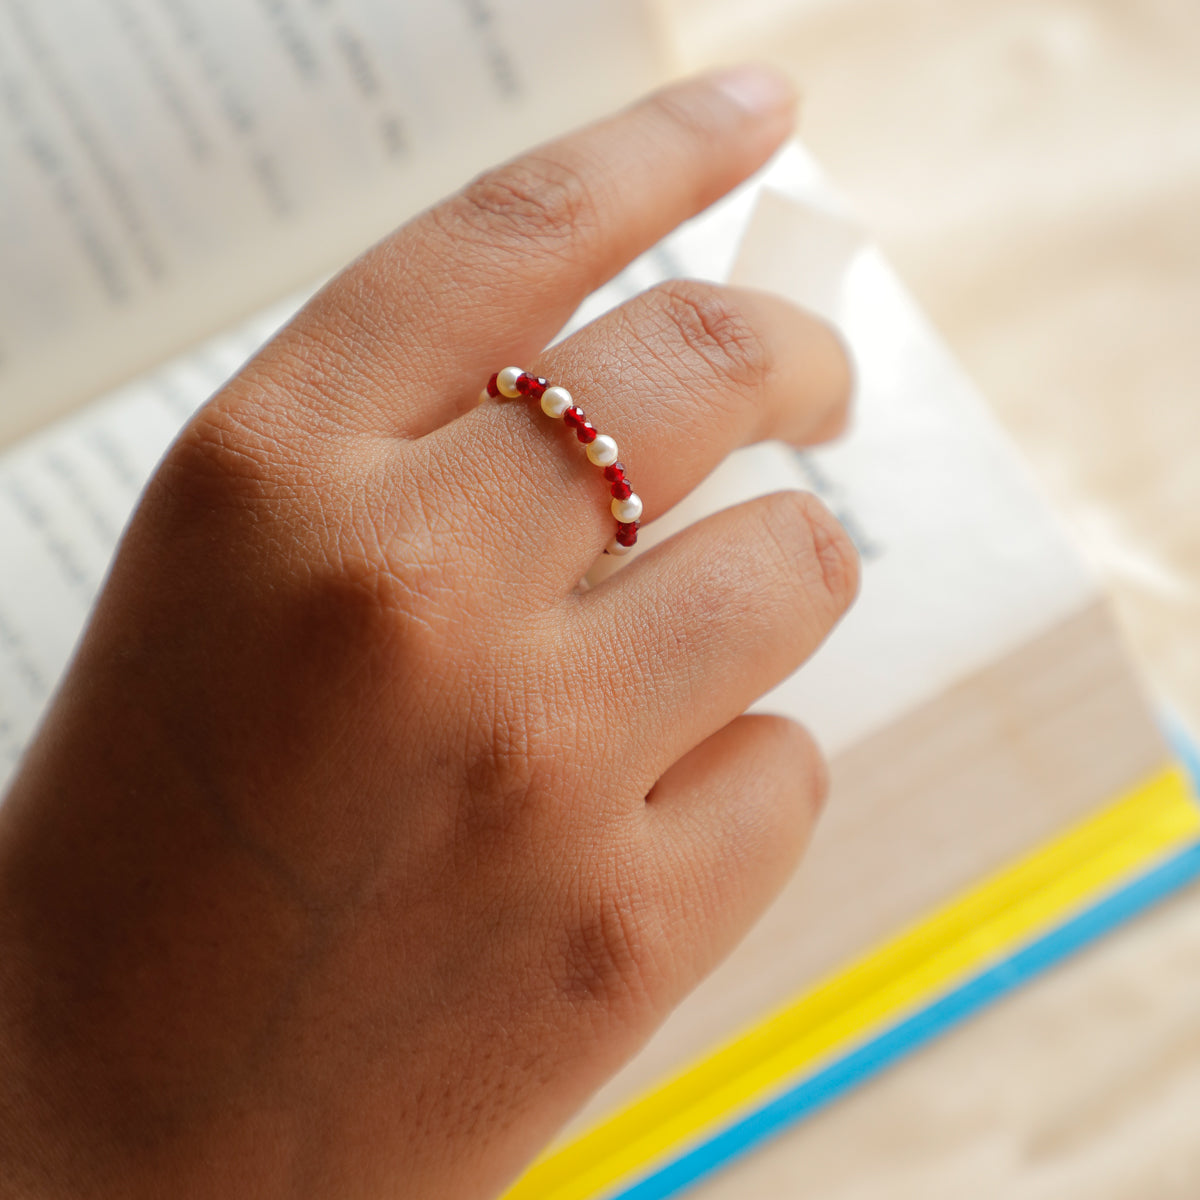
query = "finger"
{"x": 729, "y": 822}
{"x": 679, "y": 377}
{"x": 399, "y": 342}
{"x": 701, "y": 626}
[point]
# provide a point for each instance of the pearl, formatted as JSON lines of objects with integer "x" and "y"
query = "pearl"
{"x": 602, "y": 451}
{"x": 629, "y": 509}
{"x": 615, "y": 547}
{"x": 506, "y": 381}
{"x": 556, "y": 400}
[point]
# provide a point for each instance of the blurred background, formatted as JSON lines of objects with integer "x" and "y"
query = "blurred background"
{"x": 1032, "y": 168}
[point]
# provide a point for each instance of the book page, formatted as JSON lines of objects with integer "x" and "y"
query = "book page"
{"x": 168, "y": 167}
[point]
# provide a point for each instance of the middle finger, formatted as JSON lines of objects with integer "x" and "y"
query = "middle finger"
{"x": 679, "y": 377}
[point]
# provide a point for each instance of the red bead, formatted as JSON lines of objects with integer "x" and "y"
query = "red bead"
{"x": 493, "y": 389}
{"x": 531, "y": 385}
{"x": 586, "y": 432}
{"x": 621, "y": 490}
{"x": 615, "y": 473}
{"x": 627, "y": 527}
{"x": 627, "y": 535}
{"x": 574, "y": 417}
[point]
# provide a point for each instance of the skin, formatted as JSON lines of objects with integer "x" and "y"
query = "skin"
{"x": 360, "y": 845}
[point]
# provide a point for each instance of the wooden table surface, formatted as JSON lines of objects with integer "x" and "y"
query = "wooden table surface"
{"x": 1032, "y": 167}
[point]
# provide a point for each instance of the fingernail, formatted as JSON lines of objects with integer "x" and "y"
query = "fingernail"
{"x": 757, "y": 89}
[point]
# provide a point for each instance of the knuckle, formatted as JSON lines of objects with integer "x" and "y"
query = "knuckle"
{"x": 506, "y": 771}
{"x": 713, "y": 330}
{"x": 536, "y": 198}
{"x": 688, "y": 121}
{"x": 408, "y": 588}
{"x": 520, "y": 751}
{"x": 612, "y": 952}
{"x": 812, "y": 549}
{"x": 222, "y": 456}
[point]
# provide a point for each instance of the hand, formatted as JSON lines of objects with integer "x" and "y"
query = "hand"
{"x": 360, "y": 845}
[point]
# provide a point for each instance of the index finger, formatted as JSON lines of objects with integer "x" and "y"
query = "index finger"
{"x": 399, "y": 341}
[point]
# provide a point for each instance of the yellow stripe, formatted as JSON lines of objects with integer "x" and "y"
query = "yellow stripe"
{"x": 986, "y": 923}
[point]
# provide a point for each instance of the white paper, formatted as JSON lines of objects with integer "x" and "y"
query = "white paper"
{"x": 168, "y": 167}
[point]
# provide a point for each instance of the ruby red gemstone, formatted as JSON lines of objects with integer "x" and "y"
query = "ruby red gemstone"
{"x": 586, "y": 432}
{"x": 493, "y": 388}
{"x": 531, "y": 385}
{"x": 627, "y": 526}
{"x": 621, "y": 490}
{"x": 627, "y": 537}
{"x": 615, "y": 473}
{"x": 574, "y": 416}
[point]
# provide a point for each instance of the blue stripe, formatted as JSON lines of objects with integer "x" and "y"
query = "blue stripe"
{"x": 1186, "y": 749}
{"x": 818, "y": 1090}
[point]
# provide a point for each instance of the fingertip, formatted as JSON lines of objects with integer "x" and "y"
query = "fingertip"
{"x": 762, "y": 775}
{"x": 842, "y": 387}
{"x": 816, "y": 770}
{"x": 829, "y": 377}
{"x": 732, "y": 819}
{"x": 806, "y": 549}
{"x": 737, "y": 117}
{"x": 791, "y": 742}
{"x": 836, "y": 554}
{"x": 758, "y": 89}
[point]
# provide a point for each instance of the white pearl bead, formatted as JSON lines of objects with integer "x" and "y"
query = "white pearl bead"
{"x": 602, "y": 451}
{"x": 615, "y": 547}
{"x": 506, "y": 382}
{"x": 556, "y": 400}
{"x": 629, "y": 509}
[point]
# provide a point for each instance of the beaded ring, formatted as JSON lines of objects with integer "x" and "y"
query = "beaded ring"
{"x": 512, "y": 383}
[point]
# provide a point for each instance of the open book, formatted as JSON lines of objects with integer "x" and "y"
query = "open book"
{"x": 177, "y": 176}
